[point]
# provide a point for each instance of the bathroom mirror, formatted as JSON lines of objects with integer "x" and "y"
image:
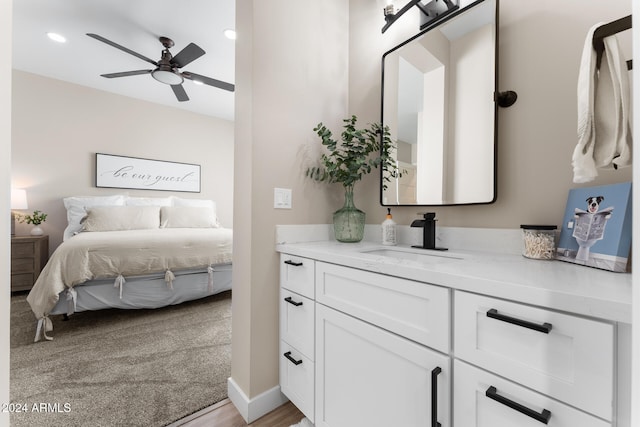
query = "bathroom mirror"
{"x": 438, "y": 101}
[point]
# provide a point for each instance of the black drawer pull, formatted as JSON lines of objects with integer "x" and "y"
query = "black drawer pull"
{"x": 294, "y": 361}
{"x": 434, "y": 397}
{"x": 545, "y": 327}
{"x": 543, "y": 416}
{"x": 291, "y": 301}
{"x": 295, "y": 264}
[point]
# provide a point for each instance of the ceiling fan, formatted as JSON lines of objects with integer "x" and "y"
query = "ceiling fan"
{"x": 167, "y": 68}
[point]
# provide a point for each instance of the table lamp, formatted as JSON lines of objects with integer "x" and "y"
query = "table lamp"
{"x": 18, "y": 201}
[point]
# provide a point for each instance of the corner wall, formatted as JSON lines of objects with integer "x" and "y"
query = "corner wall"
{"x": 291, "y": 73}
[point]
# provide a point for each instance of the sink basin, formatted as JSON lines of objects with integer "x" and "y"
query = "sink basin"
{"x": 419, "y": 255}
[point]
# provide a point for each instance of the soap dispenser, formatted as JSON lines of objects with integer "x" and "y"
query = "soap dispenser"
{"x": 389, "y": 230}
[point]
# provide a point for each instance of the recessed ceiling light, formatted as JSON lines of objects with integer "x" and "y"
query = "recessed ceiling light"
{"x": 230, "y": 34}
{"x": 56, "y": 37}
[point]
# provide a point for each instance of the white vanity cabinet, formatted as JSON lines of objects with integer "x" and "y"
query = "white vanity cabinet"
{"x": 373, "y": 361}
{"x": 478, "y": 345}
{"x": 568, "y": 358}
{"x": 297, "y": 332}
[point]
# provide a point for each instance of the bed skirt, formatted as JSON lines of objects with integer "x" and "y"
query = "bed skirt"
{"x": 149, "y": 291}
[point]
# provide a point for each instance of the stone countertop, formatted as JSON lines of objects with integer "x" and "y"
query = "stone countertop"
{"x": 546, "y": 283}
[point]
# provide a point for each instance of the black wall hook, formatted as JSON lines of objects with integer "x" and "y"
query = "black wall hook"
{"x": 507, "y": 98}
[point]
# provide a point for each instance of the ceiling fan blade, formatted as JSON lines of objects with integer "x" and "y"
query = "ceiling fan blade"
{"x": 180, "y": 93}
{"x": 208, "y": 81}
{"x": 126, "y": 73}
{"x": 187, "y": 55}
{"x": 122, "y": 48}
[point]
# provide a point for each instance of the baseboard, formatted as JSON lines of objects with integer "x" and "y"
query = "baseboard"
{"x": 252, "y": 409}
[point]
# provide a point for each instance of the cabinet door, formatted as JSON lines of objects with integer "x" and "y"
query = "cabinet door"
{"x": 366, "y": 376}
{"x": 297, "y": 274}
{"x": 296, "y": 321}
{"x": 414, "y": 310}
{"x": 296, "y": 378}
{"x": 485, "y": 400}
{"x": 566, "y": 357}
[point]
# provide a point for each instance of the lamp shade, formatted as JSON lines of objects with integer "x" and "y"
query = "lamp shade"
{"x": 19, "y": 199}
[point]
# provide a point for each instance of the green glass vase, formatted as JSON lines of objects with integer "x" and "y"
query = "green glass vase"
{"x": 348, "y": 221}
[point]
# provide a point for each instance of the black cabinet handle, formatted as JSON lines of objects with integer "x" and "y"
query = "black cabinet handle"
{"x": 434, "y": 397}
{"x": 545, "y": 327}
{"x": 291, "y": 301}
{"x": 543, "y": 416}
{"x": 291, "y": 359}
{"x": 295, "y": 264}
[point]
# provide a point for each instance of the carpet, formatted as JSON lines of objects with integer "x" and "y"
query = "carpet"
{"x": 120, "y": 367}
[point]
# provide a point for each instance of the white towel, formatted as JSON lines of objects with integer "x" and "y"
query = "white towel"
{"x": 604, "y": 136}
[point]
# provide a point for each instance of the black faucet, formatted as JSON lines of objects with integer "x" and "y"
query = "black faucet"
{"x": 428, "y": 225}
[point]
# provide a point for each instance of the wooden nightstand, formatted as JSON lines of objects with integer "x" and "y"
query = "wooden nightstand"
{"x": 29, "y": 254}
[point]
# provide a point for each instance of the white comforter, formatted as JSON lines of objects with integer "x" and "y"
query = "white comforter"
{"x": 111, "y": 254}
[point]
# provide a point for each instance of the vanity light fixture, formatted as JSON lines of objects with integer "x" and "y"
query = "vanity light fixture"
{"x": 57, "y": 37}
{"x": 434, "y": 10}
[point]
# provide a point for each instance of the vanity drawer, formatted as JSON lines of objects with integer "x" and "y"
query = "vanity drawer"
{"x": 297, "y": 274}
{"x": 297, "y": 374}
{"x": 417, "y": 311}
{"x": 566, "y": 357}
{"x": 297, "y": 316}
{"x": 485, "y": 400}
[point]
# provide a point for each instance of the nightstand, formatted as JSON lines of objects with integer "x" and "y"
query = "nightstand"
{"x": 29, "y": 254}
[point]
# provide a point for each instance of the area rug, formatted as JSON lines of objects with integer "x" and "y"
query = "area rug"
{"x": 120, "y": 367}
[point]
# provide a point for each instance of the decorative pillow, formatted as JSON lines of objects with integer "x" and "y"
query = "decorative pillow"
{"x": 187, "y": 217}
{"x": 77, "y": 210}
{"x": 148, "y": 201}
{"x": 200, "y": 203}
{"x": 116, "y": 218}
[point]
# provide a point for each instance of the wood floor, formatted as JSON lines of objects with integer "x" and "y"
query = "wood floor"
{"x": 224, "y": 414}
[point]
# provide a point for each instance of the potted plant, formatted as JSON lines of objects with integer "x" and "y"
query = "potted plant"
{"x": 359, "y": 152}
{"x": 37, "y": 218}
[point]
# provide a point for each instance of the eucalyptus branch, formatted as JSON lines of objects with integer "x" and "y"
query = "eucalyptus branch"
{"x": 359, "y": 152}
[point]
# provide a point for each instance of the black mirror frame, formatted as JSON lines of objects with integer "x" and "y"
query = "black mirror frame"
{"x": 430, "y": 26}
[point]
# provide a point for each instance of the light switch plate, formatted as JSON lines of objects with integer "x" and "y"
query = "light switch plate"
{"x": 282, "y": 198}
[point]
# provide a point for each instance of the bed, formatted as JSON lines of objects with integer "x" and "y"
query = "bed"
{"x": 131, "y": 253}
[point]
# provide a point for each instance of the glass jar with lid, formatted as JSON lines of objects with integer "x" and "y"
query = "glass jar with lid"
{"x": 539, "y": 241}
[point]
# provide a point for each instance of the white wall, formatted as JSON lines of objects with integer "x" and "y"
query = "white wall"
{"x": 635, "y": 368}
{"x": 5, "y": 170}
{"x": 58, "y": 127}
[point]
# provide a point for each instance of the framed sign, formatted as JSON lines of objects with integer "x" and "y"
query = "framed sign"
{"x": 146, "y": 174}
{"x": 596, "y": 229}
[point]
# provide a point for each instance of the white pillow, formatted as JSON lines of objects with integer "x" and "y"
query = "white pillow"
{"x": 116, "y": 218}
{"x": 200, "y": 203}
{"x": 77, "y": 210}
{"x": 187, "y": 217}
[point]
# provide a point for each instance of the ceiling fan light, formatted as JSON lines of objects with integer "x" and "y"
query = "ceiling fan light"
{"x": 57, "y": 37}
{"x": 167, "y": 77}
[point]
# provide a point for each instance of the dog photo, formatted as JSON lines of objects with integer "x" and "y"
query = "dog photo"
{"x": 596, "y": 229}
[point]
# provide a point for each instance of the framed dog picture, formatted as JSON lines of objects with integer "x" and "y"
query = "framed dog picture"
{"x": 596, "y": 229}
